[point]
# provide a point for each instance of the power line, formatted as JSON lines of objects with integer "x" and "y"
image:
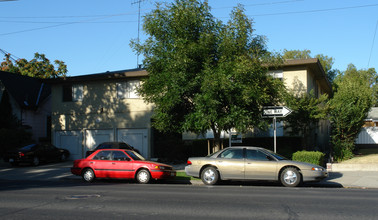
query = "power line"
{"x": 98, "y": 17}
{"x": 372, "y": 45}
{"x": 64, "y": 22}
{"x": 69, "y": 16}
{"x": 138, "y": 2}
{"x": 262, "y": 4}
{"x": 12, "y": 57}
{"x": 316, "y": 10}
{"x": 57, "y": 25}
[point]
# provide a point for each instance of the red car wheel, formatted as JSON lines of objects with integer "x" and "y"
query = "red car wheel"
{"x": 143, "y": 176}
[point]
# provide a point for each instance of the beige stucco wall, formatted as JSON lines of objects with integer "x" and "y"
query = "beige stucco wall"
{"x": 295, "y": 79}
{"x": 301, "y": 80}
{"x": 99, "y": 109}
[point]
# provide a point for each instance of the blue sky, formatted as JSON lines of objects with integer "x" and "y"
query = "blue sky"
{"x": 93, "y": 36}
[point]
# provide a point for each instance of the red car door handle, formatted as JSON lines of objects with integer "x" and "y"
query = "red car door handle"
{"x": 114, "y": 163}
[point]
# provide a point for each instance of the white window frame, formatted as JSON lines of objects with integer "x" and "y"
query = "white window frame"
{"x": 277, "y": 74}
{"x": 128, "y": 89}
{"x": 77, "y": 93}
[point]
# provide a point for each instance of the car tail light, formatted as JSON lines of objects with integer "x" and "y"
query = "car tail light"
{"x": 21, "y": 154}
{"x": 188, "y": 162}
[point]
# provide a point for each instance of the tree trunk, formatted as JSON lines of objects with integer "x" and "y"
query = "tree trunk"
{"x": 217, "y": 139}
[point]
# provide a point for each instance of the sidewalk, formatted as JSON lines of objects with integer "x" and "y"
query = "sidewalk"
{"x": 353, "y": 179}
{"x": 353, "y": 175}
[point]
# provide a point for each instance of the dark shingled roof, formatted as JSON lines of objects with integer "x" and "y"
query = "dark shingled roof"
{"x": 28, "y": 92}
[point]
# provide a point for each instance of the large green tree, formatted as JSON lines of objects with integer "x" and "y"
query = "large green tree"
{"x": 354, "y": 97}
{"x": 296, "y": 54}
{"x": 308, "y": 110}
{"x": 203, "y": 74}
{"x": 39, "y": 67}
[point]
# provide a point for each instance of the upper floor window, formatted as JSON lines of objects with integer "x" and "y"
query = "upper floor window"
{"x": 277, "y": 74}
{"x": 73, "y": 93}
{"x": 128, "y": 90}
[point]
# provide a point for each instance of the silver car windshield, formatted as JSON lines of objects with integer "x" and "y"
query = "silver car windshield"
{"x": 212, "y": 154}
{"x": 275, "y": 155}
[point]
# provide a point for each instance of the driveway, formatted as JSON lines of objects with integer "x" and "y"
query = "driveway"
{"x": 50, "y": 171}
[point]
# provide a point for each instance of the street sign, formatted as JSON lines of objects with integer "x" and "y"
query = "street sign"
{"x": 236, "y": 138}
{"x": 276, "y": 111}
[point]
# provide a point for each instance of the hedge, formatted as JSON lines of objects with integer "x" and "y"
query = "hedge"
{"x": 314, "y": 157}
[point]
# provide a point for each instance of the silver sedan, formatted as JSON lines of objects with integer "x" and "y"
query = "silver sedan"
{"x": 252, "y": 163}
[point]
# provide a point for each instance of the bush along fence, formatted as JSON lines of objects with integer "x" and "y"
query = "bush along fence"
{"x": 314, "y": 157}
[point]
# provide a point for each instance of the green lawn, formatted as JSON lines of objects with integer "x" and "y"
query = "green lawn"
{"x": 364, "y": 156}
{"x": 183, "y": 176}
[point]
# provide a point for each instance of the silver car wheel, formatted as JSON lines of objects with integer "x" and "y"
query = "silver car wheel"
{"x": 143, "y": 176}
{"x": 291, "y": 177}
{"x": 210, "y": 176}
{"x": 88, "y": 175}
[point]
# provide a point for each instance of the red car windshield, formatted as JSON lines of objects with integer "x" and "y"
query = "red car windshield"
{"x": 135, "y": 155}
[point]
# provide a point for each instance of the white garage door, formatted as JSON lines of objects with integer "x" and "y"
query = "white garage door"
{"x": 368, "y": 135}
{"x": 138, "y": 138}
{"x": 96, "y": 137}
{"x": 70, "y": 140}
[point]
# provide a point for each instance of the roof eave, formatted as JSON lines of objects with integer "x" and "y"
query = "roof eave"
{"x": 100, "y": 76}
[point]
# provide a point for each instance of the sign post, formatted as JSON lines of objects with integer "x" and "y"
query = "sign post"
{"x": 274, "y": 112}
{"x": 235, "y": 137}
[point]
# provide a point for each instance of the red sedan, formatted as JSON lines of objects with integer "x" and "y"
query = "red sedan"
{"x": 120, "y": 163}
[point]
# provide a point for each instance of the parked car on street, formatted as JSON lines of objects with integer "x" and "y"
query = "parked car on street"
{"x": 120, "y": 163}
{"x": 252, "y": 163}
{"x": 112, "y": 145}
{"x": 36, "y": 153}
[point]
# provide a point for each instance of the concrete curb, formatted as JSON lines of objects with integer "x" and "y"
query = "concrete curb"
{"x": 337, "y": 167}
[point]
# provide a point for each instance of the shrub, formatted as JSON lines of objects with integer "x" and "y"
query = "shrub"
{"x": 314, "y": 157}
{"x": 343, "y": 149}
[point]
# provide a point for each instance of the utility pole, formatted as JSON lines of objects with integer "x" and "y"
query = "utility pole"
{"x": 138, "y": 2}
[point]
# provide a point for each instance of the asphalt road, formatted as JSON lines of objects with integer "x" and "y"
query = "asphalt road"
{"x": 105, "y": 199}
